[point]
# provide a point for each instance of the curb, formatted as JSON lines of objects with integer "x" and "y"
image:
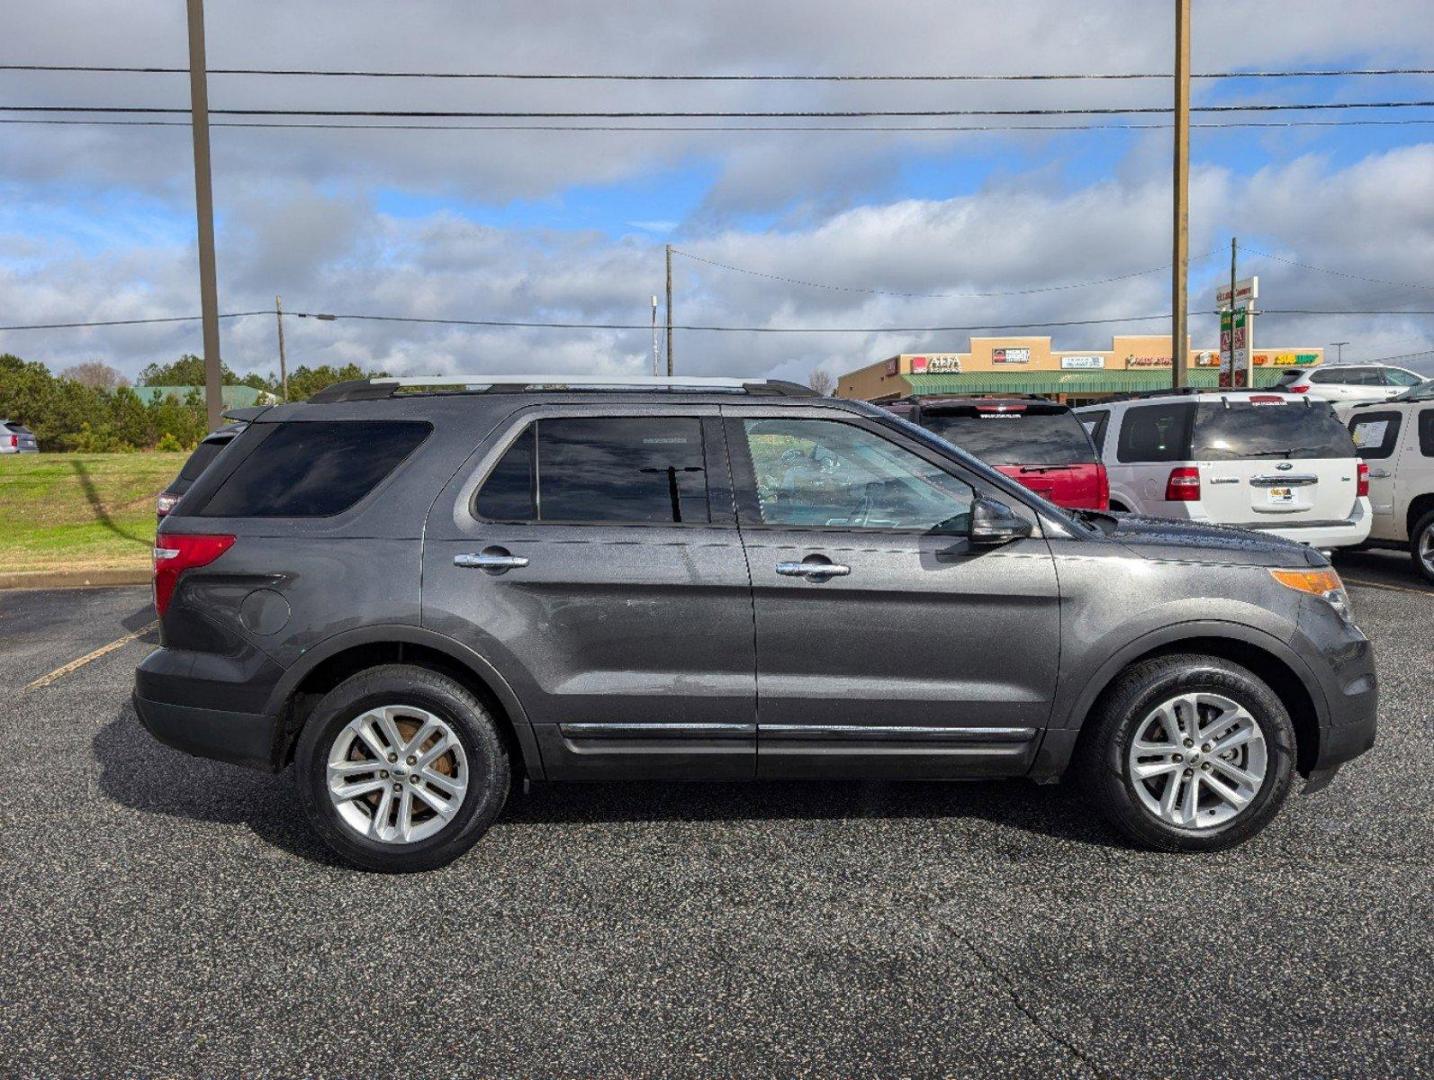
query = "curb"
{"x": 73, "y": 579}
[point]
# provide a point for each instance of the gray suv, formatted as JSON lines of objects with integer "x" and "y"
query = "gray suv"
{"x": 415, "y": 591}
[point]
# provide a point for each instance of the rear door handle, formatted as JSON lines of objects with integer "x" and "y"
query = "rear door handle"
{"x": 816, "y": 570}
{"x": 1380, "y": 474}
{"x": 491, "y": 559}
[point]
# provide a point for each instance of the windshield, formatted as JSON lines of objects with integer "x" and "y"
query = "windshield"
{"x": 1027, "y": 437}
{"x": 1293, "y": 430}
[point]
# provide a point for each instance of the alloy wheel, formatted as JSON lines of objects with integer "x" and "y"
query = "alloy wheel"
{"x": 1198, "y": 760}
{"x": 1426, "y": 550}
{"x": 397, "y": 774}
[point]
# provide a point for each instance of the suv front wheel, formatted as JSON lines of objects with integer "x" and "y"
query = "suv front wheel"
{"x": 1189, "y": 753}
{"x": 401, "y": 768}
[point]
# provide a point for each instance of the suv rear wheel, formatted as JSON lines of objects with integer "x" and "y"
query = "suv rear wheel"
{"x": 1421, "y": 546}
{"x": 401, "y": 769}
{"x": 1189, "y": 753}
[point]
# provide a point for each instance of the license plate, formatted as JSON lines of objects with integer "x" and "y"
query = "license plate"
{"x": 1281, "y": 495}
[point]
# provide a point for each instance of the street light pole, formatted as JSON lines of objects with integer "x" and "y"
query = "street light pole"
{"x": 1339, "y": 356}
{"x": 204, "y": 212}
{"x": 1179, "y": 330}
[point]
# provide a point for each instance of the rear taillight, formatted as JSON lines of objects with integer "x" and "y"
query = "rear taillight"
{"x": 1102, "y": 491}
{"x": 1298, "y": 388}
{"x": 1362, "y": 487}
{"x": 174, "y": 553}
{"x": 14, "y": 442}
{"x": 1183, "y": 485}
{"x": 165, "y": 503}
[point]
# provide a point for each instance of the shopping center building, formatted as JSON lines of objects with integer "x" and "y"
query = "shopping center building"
{"x": 1029, "y": 365}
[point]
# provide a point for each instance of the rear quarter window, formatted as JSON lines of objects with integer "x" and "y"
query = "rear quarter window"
{"x": 315, "y": 469}
{"x": 1426, "y": 432}
{"x": 1155, "y": 433}
{"x": 1375, "y": 434}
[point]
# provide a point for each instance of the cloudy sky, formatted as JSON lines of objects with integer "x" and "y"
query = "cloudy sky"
{"x": 908, "y": 229}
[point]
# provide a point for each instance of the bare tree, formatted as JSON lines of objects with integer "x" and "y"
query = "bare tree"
{"x": 821, "y": 381}
{"x": 93, "y": 373}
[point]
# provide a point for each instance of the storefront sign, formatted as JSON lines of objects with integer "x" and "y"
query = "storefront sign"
{"x": 1206, "y": 358}
{"x": 947, "y": 364}
{"x": 1147, "y": 361}
{"x": 1286, "y": 359}
{"x": 1235, "y": 348}
{"x": 1011, "y": 356}
{"x": 1082, "y": 363}
{"x": 1246, "y": 289}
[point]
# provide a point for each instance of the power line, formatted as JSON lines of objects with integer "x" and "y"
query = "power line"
{"x": 132, "y": 322}
{"x": 867, "y": 129}
{"x": 781, "y": 77}
{"x": 715, "y": 114}
{"x": 930, "y": 296}
{"x": 1342, "y": 311}
{"x": 1339, "y": 273}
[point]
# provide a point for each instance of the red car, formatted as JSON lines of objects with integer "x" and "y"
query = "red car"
{"x": 1037, "y": 443}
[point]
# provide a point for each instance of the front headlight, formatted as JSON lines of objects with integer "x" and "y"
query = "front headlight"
{"x": 1322, "y": 583}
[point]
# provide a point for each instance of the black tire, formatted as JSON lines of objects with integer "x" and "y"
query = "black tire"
{"x": 489, "y": 774}
{"x": 1422, "y": 528}
{"x": 1102, "y": 756}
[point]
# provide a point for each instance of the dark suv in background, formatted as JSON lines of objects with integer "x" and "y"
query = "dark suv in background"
{"x": 413, "y": 591}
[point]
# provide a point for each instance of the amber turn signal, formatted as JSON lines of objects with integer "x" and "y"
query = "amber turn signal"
{"x": 1314, "y": 582}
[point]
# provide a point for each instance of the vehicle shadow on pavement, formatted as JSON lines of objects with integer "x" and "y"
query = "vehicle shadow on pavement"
{"x": 142, "y": 774}
{"x": 139, "y": 773}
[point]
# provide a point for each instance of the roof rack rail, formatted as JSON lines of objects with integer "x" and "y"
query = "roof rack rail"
{"x": 388, "y": 386}
{"x": 1194, "y": 391}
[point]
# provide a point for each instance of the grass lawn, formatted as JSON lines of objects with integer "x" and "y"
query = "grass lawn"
{"x": 80, "y": 511}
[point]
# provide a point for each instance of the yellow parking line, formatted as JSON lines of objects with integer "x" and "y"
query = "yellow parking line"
{"x": 103, "y": 650}
{"x": 1388, "y": 588}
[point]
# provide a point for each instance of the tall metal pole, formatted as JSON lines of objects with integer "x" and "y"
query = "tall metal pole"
{"x": 669, "y": 310}
{"x": 656, "y": 352}
{"x": 204, "y": 211}
{"x": 283, "y": 362}
{"x": 1180, "y": 323}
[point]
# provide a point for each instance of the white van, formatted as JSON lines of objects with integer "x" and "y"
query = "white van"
{"x": 1279, "y": 463}
{"x": 1395, "y": 439}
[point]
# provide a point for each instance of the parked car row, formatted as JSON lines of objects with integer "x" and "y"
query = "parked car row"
{"x": 16, "y": 438}
{"x": 414, "y": 591}
{"x": 1395, "y": 441}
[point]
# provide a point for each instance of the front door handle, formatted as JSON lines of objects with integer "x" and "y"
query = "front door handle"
{"x": 491, "y": 559}
{"x": 814, "y": 570}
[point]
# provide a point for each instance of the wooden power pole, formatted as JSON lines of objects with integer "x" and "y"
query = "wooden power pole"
{"x": 669, "y": 310}
{"x": 283, "y": 361}
{"x": 204, "y": 211}
{"x": 1180, "y": 321}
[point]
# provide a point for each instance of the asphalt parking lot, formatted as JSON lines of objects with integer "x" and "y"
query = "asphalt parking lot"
{"x": 169, "y": 915}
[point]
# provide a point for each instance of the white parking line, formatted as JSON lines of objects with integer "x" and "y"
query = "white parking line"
{"x": 103, "y": 650}
{"x": 1388, "y": 588}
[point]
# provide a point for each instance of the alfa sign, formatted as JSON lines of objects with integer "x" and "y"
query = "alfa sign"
{"x": 949, "y": 364}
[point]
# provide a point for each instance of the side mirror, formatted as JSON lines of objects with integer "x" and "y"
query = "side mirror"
{"x": 994, "y": 522}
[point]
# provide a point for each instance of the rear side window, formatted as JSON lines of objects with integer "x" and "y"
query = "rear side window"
{"x": 1095, "y": 424}
{"x": 1230, "y": 431}
{"x": 1155, "y": 433}
{"x": 1375, "y": 434}
{"x": 18, "y": 429}
{"x": 1289, "y": 378}
{"x": 1426, "y": 432}
{"x": 315, "y": 469}
{"x": 1030, "y": 436}
{"x": 198, "y": 461}
{"x": 1396, "y": 377}
{"x": 617, "y": 470}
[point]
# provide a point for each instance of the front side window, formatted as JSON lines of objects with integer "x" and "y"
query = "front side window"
{"x": 1155, "y": 433}
{"x": 615, "y": 470}
{"x": 828, "y": 474}
{"x": 1375, "y": 435}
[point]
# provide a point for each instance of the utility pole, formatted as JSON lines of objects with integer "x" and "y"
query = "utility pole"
{"x": 669, "y": 310}
{"x": 204, "y": 211}
{"x": 283, "y": 363}
{"x": 1340, "y": 346}
{"x": 656, "y": 353}
{"x": 1180, "y": 323}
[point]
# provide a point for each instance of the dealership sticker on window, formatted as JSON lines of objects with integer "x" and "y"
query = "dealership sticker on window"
{"x": 1370, "y": 433}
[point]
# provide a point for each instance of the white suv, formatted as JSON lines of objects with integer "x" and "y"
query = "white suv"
{"x": 1279, "y": 463}
{"x": 1341, "y": 383}
{"x": 1396, "y": 441}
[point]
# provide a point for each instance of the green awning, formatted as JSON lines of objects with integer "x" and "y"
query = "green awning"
{"x": 1074, "y": 383}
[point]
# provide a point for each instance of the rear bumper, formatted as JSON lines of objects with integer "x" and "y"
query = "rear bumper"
{"x": 239, "y": 738}
{"x": 175, "y": 694}
{"x": 1326, "y": 534}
